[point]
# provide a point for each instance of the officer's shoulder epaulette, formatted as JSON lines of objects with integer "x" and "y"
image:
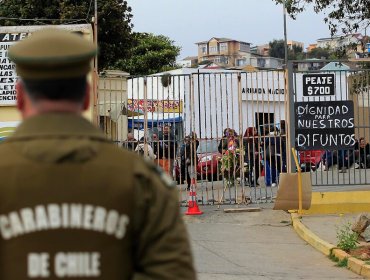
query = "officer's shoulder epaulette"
{"x": 164, "y": 177}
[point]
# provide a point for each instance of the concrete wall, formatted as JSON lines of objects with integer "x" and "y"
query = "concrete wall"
{"x": 112, "y": 103}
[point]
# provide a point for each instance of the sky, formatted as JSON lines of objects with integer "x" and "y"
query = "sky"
{"x": 254, "y": 21}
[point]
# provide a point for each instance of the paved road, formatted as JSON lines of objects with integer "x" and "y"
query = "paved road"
{"x": 259, "y": 245}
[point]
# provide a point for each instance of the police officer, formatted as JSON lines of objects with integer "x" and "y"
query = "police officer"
{"x": 73, "y": 205}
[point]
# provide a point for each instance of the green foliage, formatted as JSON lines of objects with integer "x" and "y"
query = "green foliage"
{"x": 326, "y": 53}
{"x": 340, "y": 263}
{"x": 150, "y": 54}
{"x": 277, "y": 49}
{"x": 343, "y": 16}
{"x": 343, "y": 263}
{"x": 319, "y": 53}
{"x": 114, "y": 21}
{"x": 230, "y": 165}
{"x": 347, "y": 239}
{"x": 333, "y": 257}
{"x": 359, "y": 82}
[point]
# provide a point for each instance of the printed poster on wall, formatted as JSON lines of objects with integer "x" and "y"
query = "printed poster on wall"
{"x": 8, "y": 76}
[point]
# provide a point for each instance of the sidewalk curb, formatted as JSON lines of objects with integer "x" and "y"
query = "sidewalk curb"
{"x": 357, "y": 266}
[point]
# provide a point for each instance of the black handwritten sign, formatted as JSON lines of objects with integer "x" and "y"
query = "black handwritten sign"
{"x": 318, "y": 84}
{"x": 324, "y": 125}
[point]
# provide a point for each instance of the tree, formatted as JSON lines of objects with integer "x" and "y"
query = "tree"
{"x": 150, "y": 54}
{"x": 114, "y": 21}
{"x": 319, "y": 53}
{"x": 277, "y": 49}
{"x": 342, "y": 16}
{"x": 296, "y": 52}
{"x": 326, "y": 53}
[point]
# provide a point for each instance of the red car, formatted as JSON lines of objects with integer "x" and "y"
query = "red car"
{"x": 310, "y": 160}
{"x": 207, "y": 166}
{"x": 208, "y": 156}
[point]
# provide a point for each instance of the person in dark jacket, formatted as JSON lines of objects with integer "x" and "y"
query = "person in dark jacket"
{"x": 345, "y": 159}
{"x": 252, "y": 155}
{"x": 229, "y": 141}
{"x": 157, "y": 147}
{"x": 274, "y": 146}
{"x": 131, "y": 143}
{"x": 191, "y": 157}
{"x": 169, "y": 147}
{"x": 329, "y": 159}
{"x": 72, "y": 204}
{"x": 362, "y": 150}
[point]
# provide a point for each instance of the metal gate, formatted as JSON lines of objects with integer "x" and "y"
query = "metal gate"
{"x": 338, "y": 168}
{"x": 221, "y": 131}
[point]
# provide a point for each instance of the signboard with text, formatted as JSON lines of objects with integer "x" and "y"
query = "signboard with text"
{"x": 318, "y": 84}
{"x": 10, "y": 35}
{"x": 8, "y": 76}
{"x": 155, "y": 106}
{"x": 324, "y": 125}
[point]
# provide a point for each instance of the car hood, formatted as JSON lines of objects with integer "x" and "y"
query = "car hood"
{"x": 202, "y": 155}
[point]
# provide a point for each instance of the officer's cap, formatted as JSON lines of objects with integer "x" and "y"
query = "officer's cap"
{"x": 52, "y": 53}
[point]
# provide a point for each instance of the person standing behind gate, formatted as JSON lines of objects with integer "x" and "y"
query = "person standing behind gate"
{"x": 190, "y": 156}
{"x": 229, "y": 141}
{"x": 274, "y": 163}
{"x": 345, "y": 159}
{"x": 145, "y": 149}
{"x": 157, "y": 147}
{"x": 362, "y": 150}
{"x": 252, "y": 155}
{"x": 131, "y": 142}
{"x": 169, "y": 147}
{"x": 71, "y": 196}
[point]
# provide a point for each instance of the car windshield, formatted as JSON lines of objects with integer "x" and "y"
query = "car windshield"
{"x": 208, "y": 146}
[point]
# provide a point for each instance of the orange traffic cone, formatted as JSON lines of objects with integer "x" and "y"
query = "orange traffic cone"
{"x": 193, "y": 208}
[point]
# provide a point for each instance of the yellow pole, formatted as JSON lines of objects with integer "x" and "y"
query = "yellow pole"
{"x": 299, "y": 182}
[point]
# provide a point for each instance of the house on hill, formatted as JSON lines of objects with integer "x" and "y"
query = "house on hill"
{"x": 223, "y": 51}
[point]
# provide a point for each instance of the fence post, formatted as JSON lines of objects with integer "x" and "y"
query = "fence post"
{"x": 290, "y": 116}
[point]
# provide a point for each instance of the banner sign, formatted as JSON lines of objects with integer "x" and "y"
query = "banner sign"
{"x": 8, "y": 76}
{"x": 324, "y": 125}
{"x": 318, "y": 84}
{"x": 156, "y": 106}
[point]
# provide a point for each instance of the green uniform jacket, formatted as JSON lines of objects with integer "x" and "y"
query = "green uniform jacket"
{"x": 73, "y": 205}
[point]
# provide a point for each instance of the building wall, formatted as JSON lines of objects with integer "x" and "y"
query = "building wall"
{"x": 187, "y": 62}
{"x": 292, "y": 43}
{"x": 213, "y": 47}
{"x": 184, "y": 63}
{"x": 311, "y": 47}
{"x": 215, "y": 52}
{"x": 112, "y": 103}
{"x": 200, "y": 51}
{"x": 334, "y": 43}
